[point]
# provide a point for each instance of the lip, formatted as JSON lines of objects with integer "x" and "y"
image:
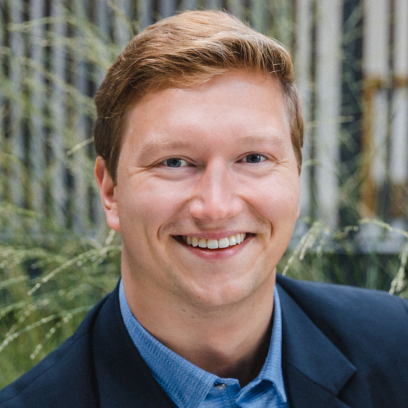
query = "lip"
{"x": 215, "y": 254}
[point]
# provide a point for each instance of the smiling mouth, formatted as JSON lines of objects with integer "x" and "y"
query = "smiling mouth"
{"x": 221, "y": 243}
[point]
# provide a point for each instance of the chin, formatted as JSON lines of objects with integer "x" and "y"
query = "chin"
{"x": 222, "y": 295}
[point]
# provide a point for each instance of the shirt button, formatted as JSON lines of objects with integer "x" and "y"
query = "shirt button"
{"x": 220, "y": 386}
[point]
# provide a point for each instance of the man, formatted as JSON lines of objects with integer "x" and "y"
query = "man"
{"x": 199, "y": 137}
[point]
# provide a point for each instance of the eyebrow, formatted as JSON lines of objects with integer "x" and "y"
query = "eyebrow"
{"x": 271, "y": 138}
{"x": 153, "y": 146}
{"x": 276, "y": 141}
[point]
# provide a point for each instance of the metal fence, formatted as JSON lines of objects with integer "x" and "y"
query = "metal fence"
{"x": 351, "y": 59}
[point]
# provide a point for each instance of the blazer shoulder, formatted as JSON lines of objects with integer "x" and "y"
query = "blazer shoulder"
{"x": 343, "y": 297}
{"x": 351, "y": 342}
{"x": 52, "y": 381}
{"x": 352, "y": 315}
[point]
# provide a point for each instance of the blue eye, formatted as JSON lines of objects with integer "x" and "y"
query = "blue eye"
{"x": 175, "y": 162}
{"x": 254, "y": 158}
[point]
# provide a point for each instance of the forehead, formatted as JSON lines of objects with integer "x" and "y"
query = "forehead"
{"x": 245, "y": 104}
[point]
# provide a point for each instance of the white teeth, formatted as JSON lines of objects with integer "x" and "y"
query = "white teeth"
{"x": 223, "y": 243}
{"x": 214, "y": 243}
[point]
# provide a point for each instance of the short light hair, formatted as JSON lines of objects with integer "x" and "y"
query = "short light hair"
{"x": 187, "y": 49}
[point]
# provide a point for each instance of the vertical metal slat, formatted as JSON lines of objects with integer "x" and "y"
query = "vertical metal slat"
{"x": 37, "y": 147}
{"x": 57, "y": 104}
{"x": 328, "y": 86}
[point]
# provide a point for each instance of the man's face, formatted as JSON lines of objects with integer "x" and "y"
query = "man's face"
{"x": 202, "y": 165}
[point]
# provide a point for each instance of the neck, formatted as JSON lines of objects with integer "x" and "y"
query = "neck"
{"x": 230, "y": 341}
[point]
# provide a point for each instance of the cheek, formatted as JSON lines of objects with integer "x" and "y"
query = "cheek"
{"x": 278, "y": 200}
{"x": 150, "y": 203}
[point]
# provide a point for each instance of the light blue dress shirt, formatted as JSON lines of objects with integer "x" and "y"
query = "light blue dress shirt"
{"x": 188, "y": 386}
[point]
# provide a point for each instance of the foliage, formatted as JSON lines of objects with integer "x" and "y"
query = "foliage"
{"x": 49, "y": 279}
{"x": 350, "y": 256}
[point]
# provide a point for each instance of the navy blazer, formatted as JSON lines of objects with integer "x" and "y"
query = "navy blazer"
{"x": 342, "y": 347}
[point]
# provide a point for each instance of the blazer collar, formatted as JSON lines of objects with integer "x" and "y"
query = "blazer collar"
{"x": 314, "y": 369}
{"x": 122, "y": 377}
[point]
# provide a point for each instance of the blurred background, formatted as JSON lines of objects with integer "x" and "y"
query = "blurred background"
{"x": 57, "y": 257}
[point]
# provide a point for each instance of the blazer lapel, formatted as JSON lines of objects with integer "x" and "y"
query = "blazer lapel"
{"x": 314, "y": 369}
{"x": 123, "y": 379}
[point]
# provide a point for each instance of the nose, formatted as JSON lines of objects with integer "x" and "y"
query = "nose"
{"x": 215, "y": 196}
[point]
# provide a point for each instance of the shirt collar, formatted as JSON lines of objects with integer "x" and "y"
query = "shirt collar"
{"x": 272, "y": 369}
{"x": 185, "y": 383}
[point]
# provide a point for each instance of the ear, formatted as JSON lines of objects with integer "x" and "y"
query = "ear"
{"x": 107, "y": 191}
